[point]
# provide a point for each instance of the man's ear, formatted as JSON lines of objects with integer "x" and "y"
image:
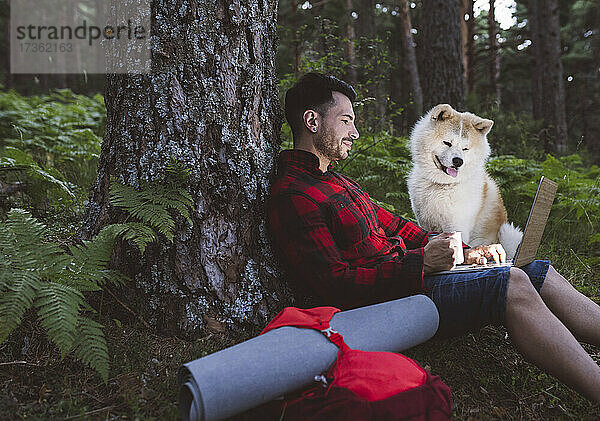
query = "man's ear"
{"x": 442, "y": 112}
{"x": 483, "y": 125}
{"x": 310, "y": 118}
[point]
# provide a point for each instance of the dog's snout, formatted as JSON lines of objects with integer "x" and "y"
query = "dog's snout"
{"x": 457, "y": 161}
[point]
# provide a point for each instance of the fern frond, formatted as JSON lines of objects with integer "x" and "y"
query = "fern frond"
{"x": 89, "y": 261}
{"x": 90, "y": 346}
{"x": 22, "y": 245}
{"x": 88, "y": 270}
{"x": 58, "y": 309}
{"x": 116, "y": 277}
{"x": 177, "y": 172}
{"x": 140, "y": 234}
{"x": 152, "y": 203}
{"x": 15, "y": 299}
{"x": 12, "y": 158}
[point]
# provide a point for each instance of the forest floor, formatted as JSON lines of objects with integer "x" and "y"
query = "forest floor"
{"x": 488, "y": 378}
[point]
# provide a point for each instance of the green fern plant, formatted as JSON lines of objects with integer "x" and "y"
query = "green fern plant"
{"x": 49, "y": 146}
{"x": 14, "y": 160}
{"x": 38, "y": 274}
{"x": 153, "y": 203}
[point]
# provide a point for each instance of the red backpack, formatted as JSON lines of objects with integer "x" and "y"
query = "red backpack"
{"x": 363, "y": 385}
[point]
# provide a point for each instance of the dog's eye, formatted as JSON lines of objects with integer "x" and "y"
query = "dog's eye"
{"x": 465, "y": 149}
{"x": 448, "y": 144}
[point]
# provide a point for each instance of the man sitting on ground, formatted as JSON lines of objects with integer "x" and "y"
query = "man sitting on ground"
{"x": 349, "y": 252}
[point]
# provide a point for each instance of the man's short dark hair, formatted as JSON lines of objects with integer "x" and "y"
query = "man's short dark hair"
{"x": 313, "y": 92}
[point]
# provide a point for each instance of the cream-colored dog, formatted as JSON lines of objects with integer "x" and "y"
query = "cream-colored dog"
{"x": 449, "y": 187}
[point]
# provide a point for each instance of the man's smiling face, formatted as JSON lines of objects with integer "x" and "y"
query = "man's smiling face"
{"x": 338, "y": 131}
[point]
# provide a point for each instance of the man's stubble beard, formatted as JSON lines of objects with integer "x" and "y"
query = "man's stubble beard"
{"x": 330, "y": 147}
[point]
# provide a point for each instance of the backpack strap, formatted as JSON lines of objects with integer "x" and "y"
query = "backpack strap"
{"x": 335, "y": 337}
{"x": 317, "y": 318}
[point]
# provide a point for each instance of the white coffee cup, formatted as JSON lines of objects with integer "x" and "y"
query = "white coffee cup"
{"x": 456, "y": 244}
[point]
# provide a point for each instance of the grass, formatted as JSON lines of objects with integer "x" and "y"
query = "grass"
{"x": 488, "y": 377}
{"x": 490, "y": 380}
{"x": 36, "y": 384}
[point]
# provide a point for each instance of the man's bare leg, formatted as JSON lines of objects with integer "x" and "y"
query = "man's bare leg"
{"x": 577, "y": 312}
{"x": 544, "y": 340}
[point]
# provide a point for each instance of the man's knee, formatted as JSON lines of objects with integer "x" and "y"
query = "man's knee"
{"x": 555, "y": 284}
{"x": 554, "y": 277}
{"x": 520, "y": 289}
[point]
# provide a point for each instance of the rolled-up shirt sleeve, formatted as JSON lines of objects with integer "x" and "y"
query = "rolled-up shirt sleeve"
{"x": 300, "y": 232}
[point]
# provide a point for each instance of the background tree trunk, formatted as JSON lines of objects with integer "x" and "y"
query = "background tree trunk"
{"x": 296, "y": 40}
{"x": 366, "y": 25}
{"x": 470, "y": 54}
{"x": 467, "y": 30}
{"x": 210, "y": 102}
{"x": 440, "y": 56}
{"x": 536, "y": 51}
{"x": 408, "y": 46}
{"x": 547, "y": 78}
{"x": 351, "y": 38}
{"x": 494, "y": 56}
{"x": 551, "y": 69}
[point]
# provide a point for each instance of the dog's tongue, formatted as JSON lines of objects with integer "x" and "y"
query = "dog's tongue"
{"x": 451, "y": 172}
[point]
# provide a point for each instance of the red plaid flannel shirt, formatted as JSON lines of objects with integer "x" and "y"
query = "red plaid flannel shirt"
{"x": 334, "y": 240}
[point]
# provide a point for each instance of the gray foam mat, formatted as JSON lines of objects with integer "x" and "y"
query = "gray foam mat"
{"x": 261, "y": 369}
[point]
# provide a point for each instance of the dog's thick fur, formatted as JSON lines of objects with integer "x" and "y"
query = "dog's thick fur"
{"x": 448, "y": 185}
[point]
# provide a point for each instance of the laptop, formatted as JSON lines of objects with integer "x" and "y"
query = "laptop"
{"x": 532, "y": 237}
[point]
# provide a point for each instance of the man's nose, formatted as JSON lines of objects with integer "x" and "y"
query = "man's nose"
{"x": 354, "y": 133}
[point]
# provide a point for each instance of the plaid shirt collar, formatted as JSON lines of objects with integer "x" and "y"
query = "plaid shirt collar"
{"x": 304, "y": 161}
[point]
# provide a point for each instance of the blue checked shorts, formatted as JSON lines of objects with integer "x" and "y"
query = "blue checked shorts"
{"x": 468, "y": 301}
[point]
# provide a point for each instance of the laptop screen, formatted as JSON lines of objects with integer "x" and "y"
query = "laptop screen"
{"x": 538, "y": 216}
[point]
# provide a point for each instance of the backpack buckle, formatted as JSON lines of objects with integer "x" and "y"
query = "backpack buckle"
{"x": 322, "y": 379}
{"x": 328, "y": 332}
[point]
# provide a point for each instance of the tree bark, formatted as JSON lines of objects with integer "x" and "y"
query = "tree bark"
{"x": 408, "y": 46}
{"x": 440, "y": 56}
{"x": 365, "y": 24}
{"x": 467, "y": 30}
{"x": 494, "y": 58}
{"x": 535, "y": 51}
{"x": 351, "y": 38}
{"x": 470, "y": 54}
{"x": 548, "y": 74}
{"x": 296, "y": 40}
{"x": 211, "y": 103}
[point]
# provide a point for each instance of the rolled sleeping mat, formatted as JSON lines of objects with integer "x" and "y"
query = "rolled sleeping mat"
{"x": 285, "y": 359}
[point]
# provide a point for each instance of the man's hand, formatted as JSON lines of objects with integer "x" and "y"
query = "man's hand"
{"x": 480, "y": 254}
{"x": 438, "y": 255}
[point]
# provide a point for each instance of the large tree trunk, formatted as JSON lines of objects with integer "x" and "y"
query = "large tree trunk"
{"x": 548, "y": 83}
{"x": 408, "y": 46}
{"x": 440, "y": 56}
{"x": 494, "y": 56}
{"x": 210, "y": 102}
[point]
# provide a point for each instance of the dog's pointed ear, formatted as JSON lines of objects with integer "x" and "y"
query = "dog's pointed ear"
{"x": 483, "y": 125}
{"x": 442, "y": 112}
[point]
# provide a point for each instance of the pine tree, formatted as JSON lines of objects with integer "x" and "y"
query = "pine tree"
{"x": 440, "y": 56}
{"x": 211, "y": 103}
